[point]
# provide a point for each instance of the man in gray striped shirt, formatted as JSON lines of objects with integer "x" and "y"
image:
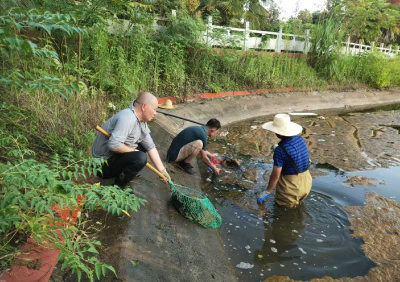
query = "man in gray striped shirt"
{"x": 125, "y": 151}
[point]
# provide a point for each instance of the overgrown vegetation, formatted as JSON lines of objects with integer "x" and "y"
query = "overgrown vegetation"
{"x": 34, "y": 194}
{"x": 63, "y": 62}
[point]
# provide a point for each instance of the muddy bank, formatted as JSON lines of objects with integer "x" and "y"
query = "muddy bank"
{"x": 378, "y": 224}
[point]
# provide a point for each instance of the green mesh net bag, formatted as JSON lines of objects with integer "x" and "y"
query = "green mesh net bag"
{"x": 195, "y": 206}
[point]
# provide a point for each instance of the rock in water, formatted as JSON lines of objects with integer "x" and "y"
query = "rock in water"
{"x": 251, "y": 174}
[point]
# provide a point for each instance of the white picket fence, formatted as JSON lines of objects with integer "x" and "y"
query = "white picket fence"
{"x": 245, "y": 38}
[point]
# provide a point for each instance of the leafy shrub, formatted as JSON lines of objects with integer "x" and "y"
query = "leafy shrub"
{"x": 29, "y": 192}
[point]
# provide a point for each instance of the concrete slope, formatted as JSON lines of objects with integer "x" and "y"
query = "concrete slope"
{"x": 232, "y": 109}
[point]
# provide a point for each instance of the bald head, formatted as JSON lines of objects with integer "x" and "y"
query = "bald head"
{"x": 146, "y": 98}
{"x": 146, "y": 106}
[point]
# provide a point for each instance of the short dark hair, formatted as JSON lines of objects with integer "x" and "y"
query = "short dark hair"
{"x": 213, "y": 124}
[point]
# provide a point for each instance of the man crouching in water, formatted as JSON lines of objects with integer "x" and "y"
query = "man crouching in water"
{"x": 290, "y": 174}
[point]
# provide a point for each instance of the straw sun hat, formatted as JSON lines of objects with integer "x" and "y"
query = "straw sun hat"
{"x": 283, "y": 126}
{"x": 167, "y": 105}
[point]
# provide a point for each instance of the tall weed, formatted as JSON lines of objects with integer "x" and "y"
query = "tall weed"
{"x": 326, "y": 47}
{"x": 372, "y": 68}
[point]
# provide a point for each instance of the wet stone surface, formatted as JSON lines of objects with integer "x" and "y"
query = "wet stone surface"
{"x": 350, "y": 154}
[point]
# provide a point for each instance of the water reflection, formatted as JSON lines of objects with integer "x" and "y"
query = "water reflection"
{"x": 281, "y": 231}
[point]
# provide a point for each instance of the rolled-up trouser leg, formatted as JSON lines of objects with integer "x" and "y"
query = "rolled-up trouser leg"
{"x": 189, "y": 149}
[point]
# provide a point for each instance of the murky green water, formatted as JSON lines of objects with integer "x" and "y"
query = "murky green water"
{"x": 308, "y": 242}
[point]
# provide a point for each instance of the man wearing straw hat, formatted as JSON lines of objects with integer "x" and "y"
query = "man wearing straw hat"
{"x": 190, "y": 142}
{"x": 125, "y": 151}
{"x": 290, "y": 174}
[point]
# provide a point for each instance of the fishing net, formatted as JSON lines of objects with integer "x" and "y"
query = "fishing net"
{"x": 195, "y": 206}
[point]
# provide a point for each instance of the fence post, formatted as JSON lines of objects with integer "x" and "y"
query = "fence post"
{"x": 390, "y": 48}
{"x": 348, "y": 45}
{"x": 372, "y": 45}
{"x": 397, "y": 49}
{"x": 246, "y": 32}
{"x": 174, "y": 13}
{"x": 360, "y": 48}
{"x": 155, "y": 24}
{"x": 381, "y": 47}
{"x": 307, "y": 41}
{"x": 279, "y": 41}
{"x": 209, "y": 30}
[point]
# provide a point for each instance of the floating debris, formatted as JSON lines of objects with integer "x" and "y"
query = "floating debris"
{"x": 272, "y": 241}
{"x": 321, "y": 140}
{"x": 274, "y": 250}
{"x": 245, "y": 265}
{"x": 319, "y": 240}
{"x": 247, "y": 247}
{"x": 295, "y": 231}
{"x": 301, "y": 250}
{"x": 281, "y": 265}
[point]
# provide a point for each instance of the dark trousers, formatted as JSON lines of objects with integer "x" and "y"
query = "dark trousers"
{"x": 129, "y": 163}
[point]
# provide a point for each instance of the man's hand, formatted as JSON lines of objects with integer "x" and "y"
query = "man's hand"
{"x": 217, "y": 171}
{"x": 262, "y": 197}
{"x": 167, "y": 178}
{"x": 213, "y": 155}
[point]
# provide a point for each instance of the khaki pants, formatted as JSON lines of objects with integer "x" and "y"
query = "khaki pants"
{"x": 293, "y": 189}
{"x": 188, "y": 149}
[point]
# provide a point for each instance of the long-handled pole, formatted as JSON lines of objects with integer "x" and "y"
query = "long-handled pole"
{"x": 175, "y": 116}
